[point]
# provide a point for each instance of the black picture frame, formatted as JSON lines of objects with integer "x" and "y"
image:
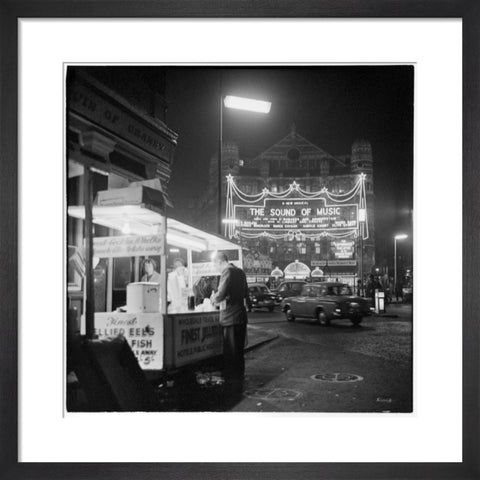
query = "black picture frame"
{"x": 12, "y": 10}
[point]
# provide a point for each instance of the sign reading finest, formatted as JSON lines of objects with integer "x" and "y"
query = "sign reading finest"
{"x": 127, "y": 246}
{"x": 196, "y": 337}
{"x": 296, "y": 214}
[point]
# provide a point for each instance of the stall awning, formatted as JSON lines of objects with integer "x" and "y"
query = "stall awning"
{"x": 144, "y": 219}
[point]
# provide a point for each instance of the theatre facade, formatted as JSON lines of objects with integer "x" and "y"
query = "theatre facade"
{"x": 298, "y": 210}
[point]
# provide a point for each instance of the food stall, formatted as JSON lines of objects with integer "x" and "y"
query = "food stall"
{"x": 162, "y": 336}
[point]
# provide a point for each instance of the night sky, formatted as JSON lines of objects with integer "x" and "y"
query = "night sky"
{"x": 331, "y": 107}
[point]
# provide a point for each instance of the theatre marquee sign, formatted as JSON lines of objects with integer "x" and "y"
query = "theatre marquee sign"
{"x": 287, "y": 214}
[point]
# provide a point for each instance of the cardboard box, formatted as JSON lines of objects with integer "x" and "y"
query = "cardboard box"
{"x": 143, "y": 297}
{"x": 136, "y": 195}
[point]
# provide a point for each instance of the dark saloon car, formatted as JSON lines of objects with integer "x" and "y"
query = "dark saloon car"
{"x": 326, "y": 302}
{"x": 261, "y": 297}
{"x": 289, "y": 288}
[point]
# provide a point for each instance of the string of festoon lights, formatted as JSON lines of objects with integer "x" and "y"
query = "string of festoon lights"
{"x": 232, "y": 229}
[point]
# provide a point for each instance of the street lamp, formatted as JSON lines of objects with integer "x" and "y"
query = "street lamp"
{"x": 401, "y": 236}
{"x": 362, "y": 217}
{"x": 238, "y": 103}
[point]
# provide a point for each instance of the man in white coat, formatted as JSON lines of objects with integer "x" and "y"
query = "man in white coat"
{"x": 176, "y": 283}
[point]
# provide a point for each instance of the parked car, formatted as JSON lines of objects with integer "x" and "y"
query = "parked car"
{"x": 289, "y": 288}
{"x": 326, "y": 302}
{"x": 261, "y": 297}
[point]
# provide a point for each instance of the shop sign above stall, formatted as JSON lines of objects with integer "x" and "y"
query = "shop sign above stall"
{"x": 127, "y": 246}
{"x": 282, "y": 215}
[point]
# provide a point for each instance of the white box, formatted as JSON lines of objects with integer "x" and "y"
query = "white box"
{"x": 143, "y": 297}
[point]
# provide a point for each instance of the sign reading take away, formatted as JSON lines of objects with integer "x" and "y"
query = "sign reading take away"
{"x": 143, "y": 332}
{"x": 127, "y": 246}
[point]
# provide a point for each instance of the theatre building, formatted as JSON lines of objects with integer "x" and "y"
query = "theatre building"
{"x": 295, "y": 203}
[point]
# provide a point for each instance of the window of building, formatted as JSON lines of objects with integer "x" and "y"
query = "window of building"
{"x": 317, "y": 248}
{"x": 301, "y": 249}
{"x": 324, "y": 167}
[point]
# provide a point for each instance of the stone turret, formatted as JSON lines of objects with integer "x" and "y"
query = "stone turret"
{"x": 362, "y": 160}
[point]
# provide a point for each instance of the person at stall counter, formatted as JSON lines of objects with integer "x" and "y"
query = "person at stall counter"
{"x": 149, "y": 267}
{"x": 176, "y": 283}
{"x": 233, "y": 299}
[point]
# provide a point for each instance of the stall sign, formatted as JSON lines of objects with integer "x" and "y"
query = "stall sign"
{"x": 343, "y": 249}
{"x": 127, "y": 246}
{"x": 143, "y": 332}
{"x": 282, "y": 215}
{"x": 196, "y": 337}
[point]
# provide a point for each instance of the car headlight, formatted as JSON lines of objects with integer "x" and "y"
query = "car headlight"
{"x": 337, "y": 308}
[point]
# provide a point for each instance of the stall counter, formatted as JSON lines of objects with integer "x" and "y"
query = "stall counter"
{"x": 160, "y": 344}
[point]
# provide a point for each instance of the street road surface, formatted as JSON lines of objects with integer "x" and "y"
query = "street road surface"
{"x": 310, "y": 368}
{"x": 359, "y": 369}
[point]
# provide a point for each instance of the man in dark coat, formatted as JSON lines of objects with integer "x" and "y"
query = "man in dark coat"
{"x": 233, "y": 299}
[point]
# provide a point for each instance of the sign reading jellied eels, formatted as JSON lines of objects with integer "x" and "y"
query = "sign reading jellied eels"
{"x": 143, "y": 332}
{"x": 296, "y": 214}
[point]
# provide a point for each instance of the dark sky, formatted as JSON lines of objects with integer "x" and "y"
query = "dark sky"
{"x": 331, "y": 107}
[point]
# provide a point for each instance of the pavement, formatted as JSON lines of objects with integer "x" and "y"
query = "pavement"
{"x": 303, "y": 367}
{"x": 257, "y": 336}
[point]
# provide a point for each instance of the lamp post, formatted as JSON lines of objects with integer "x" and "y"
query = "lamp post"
{"x": 401, "y": 236}
{"x": 362, "y": 215}
{"x": 238, "y": 103}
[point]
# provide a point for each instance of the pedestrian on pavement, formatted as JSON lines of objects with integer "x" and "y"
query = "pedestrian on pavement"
{"x": 370, "y": 290}
{"x": 233, "y": 299}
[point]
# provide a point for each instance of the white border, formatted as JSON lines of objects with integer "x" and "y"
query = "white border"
{"x": 433, "y": 433}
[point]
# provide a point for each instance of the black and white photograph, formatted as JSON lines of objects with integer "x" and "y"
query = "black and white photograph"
{"x": 239, "y": 238}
